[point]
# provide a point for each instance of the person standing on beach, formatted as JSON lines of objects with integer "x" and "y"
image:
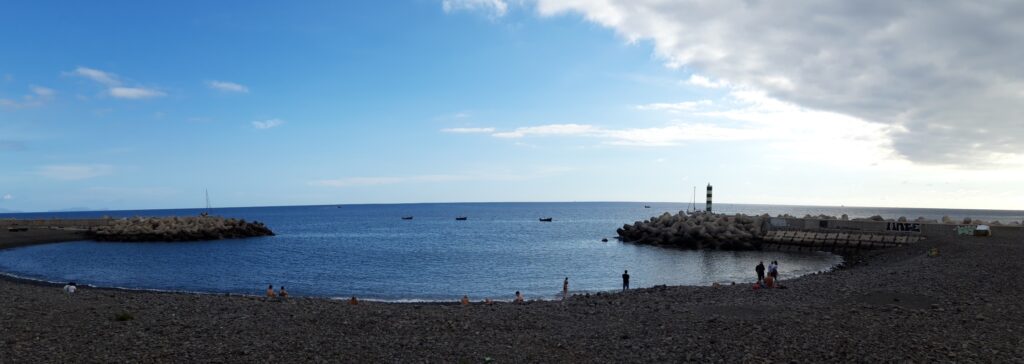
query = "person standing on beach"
{"x": 70, "y": 288}
{"x": 760, "y": 271}
{"x": 565, "y": 288}
{"x": 774, "y": 271}
{"x": 625, "y": 280}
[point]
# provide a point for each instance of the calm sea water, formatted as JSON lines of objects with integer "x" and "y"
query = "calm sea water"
{"x": 369, "y": 252}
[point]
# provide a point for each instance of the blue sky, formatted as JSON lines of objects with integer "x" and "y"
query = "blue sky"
{"x": 127, "y": 105}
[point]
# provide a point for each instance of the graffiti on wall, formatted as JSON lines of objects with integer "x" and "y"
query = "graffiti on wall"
{"x": 903, "y": 226}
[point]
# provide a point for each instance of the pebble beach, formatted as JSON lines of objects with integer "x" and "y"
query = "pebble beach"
{"x": 891, "y": 305}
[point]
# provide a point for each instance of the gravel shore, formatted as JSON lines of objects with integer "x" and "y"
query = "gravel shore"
{"x": 894, "y": 305}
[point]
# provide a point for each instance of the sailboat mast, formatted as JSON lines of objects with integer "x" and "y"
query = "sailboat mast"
{"x": 693, "y": 200}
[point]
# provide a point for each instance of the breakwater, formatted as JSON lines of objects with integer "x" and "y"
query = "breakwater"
{"x": 743, "y": 232}
{"x": 138, "y": 229}
{"x": 698, "y": 231}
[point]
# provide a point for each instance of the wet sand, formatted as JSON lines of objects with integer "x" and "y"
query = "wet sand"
{"x": 894, "y": 305}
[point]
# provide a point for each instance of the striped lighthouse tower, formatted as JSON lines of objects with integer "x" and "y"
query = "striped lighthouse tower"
{"x": 708, "y": 208}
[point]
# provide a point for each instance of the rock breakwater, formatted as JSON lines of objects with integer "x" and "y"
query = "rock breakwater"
{"x": 139, "y": 229}
{"x": 698, "y": 231}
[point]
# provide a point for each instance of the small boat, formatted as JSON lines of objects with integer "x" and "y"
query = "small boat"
{"x": 647, "y": 206}
{"x": 406, "y": 217}
{"x": 546, "y": 219}
{"x": 461, "y": 218}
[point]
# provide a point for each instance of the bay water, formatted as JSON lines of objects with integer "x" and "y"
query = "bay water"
{"x": 368, "y": 251}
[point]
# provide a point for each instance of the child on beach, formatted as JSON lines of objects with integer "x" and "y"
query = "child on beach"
{"x": 70, "y": 288}
{"x": 519, "y": 297}
{"x": 270, "y": 291}
{"x": 465, "y": 300}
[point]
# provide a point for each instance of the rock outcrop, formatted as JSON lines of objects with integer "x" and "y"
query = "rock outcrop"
{"x": 698, "y": 231}
{"x": 178, "y": 229}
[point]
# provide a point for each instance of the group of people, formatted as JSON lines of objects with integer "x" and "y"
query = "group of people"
{"x": 769, "y": 280}
{"x": 281, "y": 292}
{"x": 565, "y": 291}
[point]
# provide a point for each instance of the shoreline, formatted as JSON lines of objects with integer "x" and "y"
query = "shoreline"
{"x": 44, "y": 235}
{"x": 895, "y": 304}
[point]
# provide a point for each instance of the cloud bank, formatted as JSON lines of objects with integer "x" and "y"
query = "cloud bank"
{"x": 945, "y": 75}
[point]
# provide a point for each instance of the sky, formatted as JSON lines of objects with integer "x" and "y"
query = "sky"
{"x": 141, "y": 105}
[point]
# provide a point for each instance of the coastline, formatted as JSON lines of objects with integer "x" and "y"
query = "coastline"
{"x": 35, "y": 236}
{"x": 896, "y": 304}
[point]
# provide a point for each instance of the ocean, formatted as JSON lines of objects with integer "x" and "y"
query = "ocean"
{"x": 369, "y": 252}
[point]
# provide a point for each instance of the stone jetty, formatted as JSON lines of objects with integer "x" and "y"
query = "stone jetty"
{"x": 138, "y": 229}
{"x": 698, "y": 231}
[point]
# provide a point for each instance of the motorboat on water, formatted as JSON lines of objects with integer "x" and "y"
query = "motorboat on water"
{"x": 406, "y": 217}
{"x": 461, "y": 218}
{"x": 546, "y": 219}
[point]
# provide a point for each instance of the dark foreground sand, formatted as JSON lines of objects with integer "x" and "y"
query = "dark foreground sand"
{"x": 966, "y": 305}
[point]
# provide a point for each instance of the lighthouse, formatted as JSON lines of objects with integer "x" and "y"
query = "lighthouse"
{"x": 708, "y": 208}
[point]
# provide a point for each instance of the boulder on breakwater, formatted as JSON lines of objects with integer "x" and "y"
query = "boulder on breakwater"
{"x": 139, "y": 229}
{"x": 698, "y": 231}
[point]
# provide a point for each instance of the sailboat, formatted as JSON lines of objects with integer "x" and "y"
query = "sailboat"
{"x": 693, "y": 202}
{"x": 207, "y": 212}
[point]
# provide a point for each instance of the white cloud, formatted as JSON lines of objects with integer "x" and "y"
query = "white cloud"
{"x": 114, "y": 84}
{"x": 42, "y": 91}
{"x": 38, "y": 96}
{"x": 227, "y": 86}
{"x": 438, "y": 178}
{"x": 74, "y": 171}
{"x": 698, "y": 80}
{"x": 548, "y": 130}
{"x": 468, "y": 130}
{"x": 8, "y": 196}
{"x": 267, "y": 124}
{"x": 496, "y": 8}
{"x": 105, "y": 78}
{"x": 679, "y": 106}
{"x": 784, "y": 131}
{"x": 134, "y": 93}
{"x": 946, "y": 76}
{"x": 652, "y": 137}
{"x": 374, "y": 181}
